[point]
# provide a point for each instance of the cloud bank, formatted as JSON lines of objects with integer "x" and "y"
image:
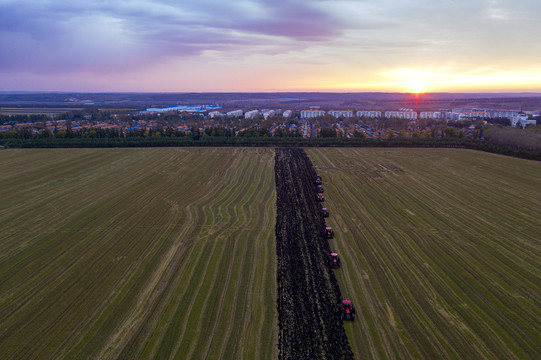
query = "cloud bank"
{"x": 345, "y": 40}
{"x": 64, "y": 35}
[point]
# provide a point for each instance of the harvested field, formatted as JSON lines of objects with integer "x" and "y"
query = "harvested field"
{"x": 307, "y": 289}
{"x": 441, "y": 251}
{"x": 137, "y": 254}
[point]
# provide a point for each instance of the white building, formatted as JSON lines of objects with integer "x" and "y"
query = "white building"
{"x": 307, "y": 114}
{"x": 369, "y": 113}
{"x": 341, "y": 113}
{"x": 465, "y": 115}
{"x": 402, "y": 114}
{"x": 522, "y": 119}
{"x": 508, "y": 114}
{"x": 468, "y": 114}
{"x": 287, "y": 113}
{"x": 268, "y": 113}
{"x": 431, "y": 115}
{"x": 237, "y": 113}
{"x": 213, "y": 114}
{"x": 251, "y": 114}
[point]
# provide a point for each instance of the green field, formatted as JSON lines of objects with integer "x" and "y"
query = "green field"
{"x": 137, "y": 253}
{"x": 169, "y": 252}
{"x": 441, "y": 251}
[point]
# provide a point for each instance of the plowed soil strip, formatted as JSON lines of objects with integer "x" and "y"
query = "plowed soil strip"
{"x": 307, "y": 289}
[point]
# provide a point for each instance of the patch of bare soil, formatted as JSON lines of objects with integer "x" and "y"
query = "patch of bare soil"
{"x": 307, "y": 288}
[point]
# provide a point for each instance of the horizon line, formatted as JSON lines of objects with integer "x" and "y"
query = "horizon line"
{"x": 538, "y": 92}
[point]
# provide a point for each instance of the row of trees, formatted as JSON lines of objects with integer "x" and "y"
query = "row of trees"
{"x": 19, "y": 119}
{"x": 272, "y": 141}
{"x": 111, "y": 133}
{"x": 447, "y": 132}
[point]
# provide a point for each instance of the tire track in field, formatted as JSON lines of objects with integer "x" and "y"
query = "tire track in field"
{"x": 233, "y": 218}
{"x": 68, "y": 290}
{"x": 183, "y": 264}
{"x": 307, "y": 289}
{"x": 133, "y": 329}
{"x": 230, "y": 270}
{"x": 246, "y": 270}
{"x": 125, "y": 260}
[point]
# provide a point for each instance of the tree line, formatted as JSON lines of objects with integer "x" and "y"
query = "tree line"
{"x": 475, "y": 144}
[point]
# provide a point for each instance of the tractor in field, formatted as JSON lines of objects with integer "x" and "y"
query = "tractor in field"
{"x": 320, "y": 189}
{"x": 333, "y": 260}
{"x": 320, "y": 197}
{"x": 318, "y": 180}
{"x": 324, "y": 212}
{"x": 328, "y": 233}
{"x": 345, "y": 310}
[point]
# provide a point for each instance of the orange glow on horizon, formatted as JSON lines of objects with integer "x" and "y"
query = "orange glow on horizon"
{"x": 418, "y": 81}
{"x": 417, "y": 86}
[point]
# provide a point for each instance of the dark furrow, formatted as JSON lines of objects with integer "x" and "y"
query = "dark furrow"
{"x": 307, "y": 288}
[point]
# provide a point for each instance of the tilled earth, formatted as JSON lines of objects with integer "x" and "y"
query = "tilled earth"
{"x": 307, "y": 288}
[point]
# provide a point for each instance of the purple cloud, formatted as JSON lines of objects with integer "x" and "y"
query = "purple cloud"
{"x": 142, "y": 40}
{"x": 71, "y": 36}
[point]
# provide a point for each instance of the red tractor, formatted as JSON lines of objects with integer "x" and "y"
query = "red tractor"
{"x": 345, "y": 310}
{"x": 320, "y": 197}
{"x": 324, "y": 212}
{"x": 319, "y": 189}
{"x": 333, "y": 260}
{"x": 318, "y": 180}
{"x": 328, "y": 233}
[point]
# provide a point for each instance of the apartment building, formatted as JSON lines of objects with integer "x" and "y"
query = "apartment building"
{"x": 251, "y": 114}
{"x": 369, "y": 113}
{"x": 268, "y": 113}
{"x": 237, "y": 113}
{"x": 431, "y": 115}
{"x": 341, "y": 113}
{"x": 312, "y": 113}
{"x": 402, "y": 114}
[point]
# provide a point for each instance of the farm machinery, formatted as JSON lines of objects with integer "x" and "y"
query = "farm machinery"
{"x": 318, "y": 180}
{"x": 319, "y": 189}
{"x": 324, "y": 212}
{"x": 333, "y": 260}
{"x": 345, "y": 309}
{"x": 320, "y": 197}
{"x": 328, "y": 233}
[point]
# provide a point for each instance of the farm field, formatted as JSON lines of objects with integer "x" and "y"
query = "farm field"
{"x": 441, "y": 251}
{"x": 137, "y": 254}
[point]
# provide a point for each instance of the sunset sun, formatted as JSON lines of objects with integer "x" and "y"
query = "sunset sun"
{"x": 417, "y": 86}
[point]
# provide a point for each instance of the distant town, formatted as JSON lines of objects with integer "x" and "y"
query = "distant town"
{"x": 314, "y": 121}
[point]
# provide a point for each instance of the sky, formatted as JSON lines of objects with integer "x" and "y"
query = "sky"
{"x": 270, "y": 45}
